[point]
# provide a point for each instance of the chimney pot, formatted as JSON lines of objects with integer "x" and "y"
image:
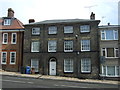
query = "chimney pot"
{"x": 10, "y": 13}
{"x": 31, "y": 20}
{"x": 92, "y": 16}
{"x": 108, "y": 24}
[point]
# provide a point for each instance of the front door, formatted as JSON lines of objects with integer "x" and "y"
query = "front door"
{"x": 52, "y": 67}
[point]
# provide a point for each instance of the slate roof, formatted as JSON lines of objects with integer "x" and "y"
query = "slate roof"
{"x": 62, "y": 21}
{"x": 15, "y": 24}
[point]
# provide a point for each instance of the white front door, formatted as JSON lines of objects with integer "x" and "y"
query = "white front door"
{"x": 52, "y": 67}
{"x": 35, "y": 65}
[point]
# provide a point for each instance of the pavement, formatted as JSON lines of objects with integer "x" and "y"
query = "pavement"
{"x": 38, "y": 76}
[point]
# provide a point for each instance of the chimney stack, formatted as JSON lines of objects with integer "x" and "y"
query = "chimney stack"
{"x": 92, "y": 16}
{"x": 108, "y": 24}
{"x": 31, "y": 20}
{"x": 10, "y": 13}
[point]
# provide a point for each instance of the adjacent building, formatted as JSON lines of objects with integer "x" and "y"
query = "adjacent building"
{"x": 11, "y": 30}
{"x": 109, "y": 51}
{"x": 67, "y": 47}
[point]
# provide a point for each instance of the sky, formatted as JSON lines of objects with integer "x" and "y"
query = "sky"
{"x": 105, "y": 10}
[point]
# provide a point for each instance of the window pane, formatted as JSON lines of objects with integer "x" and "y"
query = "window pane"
{"x": 52, "y": 46}
{"x": 14, "y": 38}
{"x": 52, "y": 30}
{"x": 116, "y": 34}
{"x": 85, "y": 28}
{"x": 68, "y": 46}
{"x": 5, "y": 38}
{"x": 116, "y": 52}
{"x": 35, "y": 46}
{"x": 110, "y": 52}
{"x": 85, "y": 65}
{"x": 117, "y": 70}
{"x": 68, "y": 65}
{"x": 35, "y": 31}
{"x": 12, "y": 57}
{"x": 4, "y": 57}
{"x": 111, "y": 70}
{"x": 109, "y": 35}
{"x": 85, "y": 45}
{"x": 68, "y": 29}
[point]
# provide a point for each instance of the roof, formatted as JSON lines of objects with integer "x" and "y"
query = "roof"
{"x": 15, "y": 24}
{"x": 109, "y": 26}
{"x": 62, "y": 21}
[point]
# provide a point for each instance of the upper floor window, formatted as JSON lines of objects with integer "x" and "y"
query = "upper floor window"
{"x": 84, "y": 28}
{"x": 35, "y": 31}
{"x": 68, "y": 65}
{"x": 68, "y": 46}
{"x": 52, "y": 46}
{"x": 5, "y": 38}
{"x": 7, "y": 21}
{"x": 110, "y": 52}
{"x": 52, "y": 30}
{"x": 14, "y": 38}
{"x": 3, "y": 57}
{"x": 68, "y": 29}
{"x": 85, "y": 45}
{"x": 35, "y": 46}
{"x": 12, "y": 57}
{"x": 109, "y": 35}
{"x": 85, "y": 65}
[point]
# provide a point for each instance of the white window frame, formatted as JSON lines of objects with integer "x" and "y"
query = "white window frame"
{"x": 85, "y": 48}
{"x": 70, "y": 65}
{"x": 37, "y": 32}
{"x": 105, "y": 49}
{"x": 53, "y": 44}
{"x": 82, "y": 65}
{"x": 104, "y": 32}
{"x": 7, "y": 21}
{"x": 4, "y": 38}
{"x": 65, "y": 46}
{"x": 35, "y": 66}
{"x": 11, "y": 57}
{"x": 13, "y": 38}
{"x": 3, "y": 57}
{"x": 52, "y": 30}
{"x": 68, "y": 29}
{"x": 32, "y": 46}
{"x": 106, "y": 71}
{"x": 84, "y": 28}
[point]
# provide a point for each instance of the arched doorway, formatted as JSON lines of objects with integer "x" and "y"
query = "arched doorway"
{"x": 52, "y": 66}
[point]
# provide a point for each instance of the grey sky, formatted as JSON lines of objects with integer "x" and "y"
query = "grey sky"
{"x": 61, "y": 9}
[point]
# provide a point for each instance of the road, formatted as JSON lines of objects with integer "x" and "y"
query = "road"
{"x": 20, "y": 82}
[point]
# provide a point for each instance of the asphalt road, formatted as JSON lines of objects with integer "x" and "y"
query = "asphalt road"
{"x": 19, "y": 82}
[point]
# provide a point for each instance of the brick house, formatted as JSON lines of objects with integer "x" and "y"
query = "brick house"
{"x": 12, "y": 31}
{"x": 67, "y": 47}
{"x": 109, "y": 51}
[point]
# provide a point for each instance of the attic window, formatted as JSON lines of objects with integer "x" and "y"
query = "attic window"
{"x": 7, "y": 21}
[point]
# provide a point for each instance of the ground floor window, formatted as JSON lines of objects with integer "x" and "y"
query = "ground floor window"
{"x": 111, "y": 70}
{"x": 86, "y": 65}
{"x": 12, "y": 57}
{"x": 68, "y": 65}
{"x": 3, "y": 57}
{"x": 35, "y": 64}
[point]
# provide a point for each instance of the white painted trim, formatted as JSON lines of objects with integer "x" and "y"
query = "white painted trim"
{"x": 11, "y": 30}
{"x": 3, "y": 39}
{"x": 15, "y": 38}
{"x": 2, "y": 56}
{"x": 10, "y": 57}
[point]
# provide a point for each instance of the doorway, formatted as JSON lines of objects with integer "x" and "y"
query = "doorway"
{"x": 52, "y": 66}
